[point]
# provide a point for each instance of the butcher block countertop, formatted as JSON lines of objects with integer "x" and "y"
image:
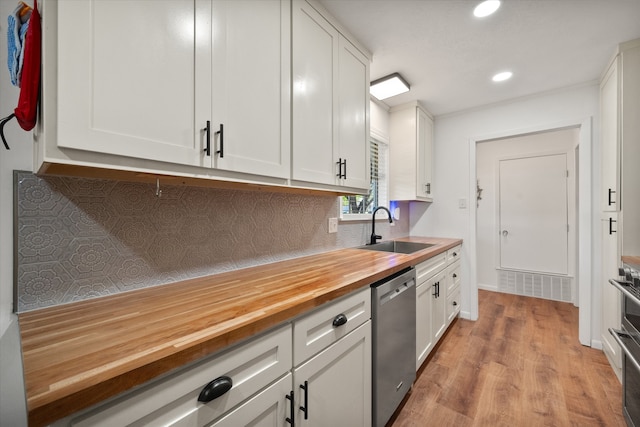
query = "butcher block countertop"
{"x": 79, "y": 354}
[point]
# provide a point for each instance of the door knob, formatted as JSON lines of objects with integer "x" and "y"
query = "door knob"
{"x": 505, "y": 233}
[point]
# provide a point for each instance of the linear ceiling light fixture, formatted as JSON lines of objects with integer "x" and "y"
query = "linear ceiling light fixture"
{"x": 388, "y": 86}
{"x": 486, "y": 8}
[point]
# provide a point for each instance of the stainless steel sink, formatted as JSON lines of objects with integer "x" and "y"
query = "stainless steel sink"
{"x": 397, "y": 246}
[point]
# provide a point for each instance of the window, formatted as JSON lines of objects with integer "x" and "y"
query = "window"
{"x": 358, "y": 207}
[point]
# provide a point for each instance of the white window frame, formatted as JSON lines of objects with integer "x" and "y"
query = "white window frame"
{"x": 381, "y": 139}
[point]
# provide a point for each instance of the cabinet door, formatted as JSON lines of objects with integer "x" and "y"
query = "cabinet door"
{"x": 338, "y": 383}
{"x": 611, "y": 298}
{"x": 424, "y": 186}
{"x": 353, "y": 115}
{"x": 424, "y": 337}
{"x": 269, "y": 408}
{"x": 438, "y": 306}
{"x": 453, "y": 304}
{"x": 609, "y": 110}
{"x": 250, "y": 80}
{"x": 127, "y": 76}
{"x": 315, "y": 57}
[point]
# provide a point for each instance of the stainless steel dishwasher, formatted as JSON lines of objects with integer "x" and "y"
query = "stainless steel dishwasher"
{"x": 394, "y": 342}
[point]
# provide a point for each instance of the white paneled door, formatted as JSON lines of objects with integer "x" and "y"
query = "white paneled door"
{"x": 533, "y": 214}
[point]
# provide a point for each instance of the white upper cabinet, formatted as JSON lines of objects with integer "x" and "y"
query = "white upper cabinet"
{"x": 136, "y": 83}
{"x": 126, "y": 77}
{"x": 250, "y": 80}
{"x": 330, "y": 104}
{"x": 609, "y": 107}
{"x": 620, "y": 132}
{"x": 410, "y": 154}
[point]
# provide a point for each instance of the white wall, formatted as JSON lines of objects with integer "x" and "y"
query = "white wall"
{"x": 454, "y": 171}
{"x": 18, "y": 157}
{"x": 488, "y": 155}
{"x": 12, "y": 405}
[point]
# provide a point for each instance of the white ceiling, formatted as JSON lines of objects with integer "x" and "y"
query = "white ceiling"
{"x": 448, "y": 56}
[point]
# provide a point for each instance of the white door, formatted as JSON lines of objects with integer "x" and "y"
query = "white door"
{"x": 338, "y": 383}
{"x": 533, "y": 214}
{"x": 250, "y": 81}
{"x": 127, "y": 77}
{"x": 315, "y": 58}
{"x": 354, "y": 107}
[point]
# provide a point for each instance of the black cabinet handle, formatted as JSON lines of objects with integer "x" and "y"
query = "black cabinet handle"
{"x": 221, "y": 133}
{"x": 339, "y": 320}
{"x": 436, "y": 289}
{"x": 342, "y": 174}
{"x": 291, "y": 419}
{"x": 611, "y": 230}
{"x": 611, "y": 202}
{"x": 207, "y": 147}
{"x": 215, "y": 389}
{"x": 305, "y": 408}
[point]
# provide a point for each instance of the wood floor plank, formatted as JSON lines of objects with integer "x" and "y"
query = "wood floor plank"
{"x": 520, "y": 364}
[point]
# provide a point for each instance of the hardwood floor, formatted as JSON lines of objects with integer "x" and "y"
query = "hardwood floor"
{"x": 520, "y": 364}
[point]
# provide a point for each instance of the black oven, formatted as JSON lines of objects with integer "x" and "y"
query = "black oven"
{"x": 629, "y": 340}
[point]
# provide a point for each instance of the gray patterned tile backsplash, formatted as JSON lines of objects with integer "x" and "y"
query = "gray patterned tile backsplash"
{"x": 84, "y": 238}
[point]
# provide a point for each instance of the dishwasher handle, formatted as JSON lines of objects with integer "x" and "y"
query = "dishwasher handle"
{"x": 397, "y": 291}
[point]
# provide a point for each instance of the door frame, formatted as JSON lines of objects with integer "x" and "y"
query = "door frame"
{"x": 584, "y": 215}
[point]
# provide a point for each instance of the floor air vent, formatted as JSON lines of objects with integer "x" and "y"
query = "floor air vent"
{"x": 537, "y": 285}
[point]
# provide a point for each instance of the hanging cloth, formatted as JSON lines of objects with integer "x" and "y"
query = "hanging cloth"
{"x": 26, "y": 111}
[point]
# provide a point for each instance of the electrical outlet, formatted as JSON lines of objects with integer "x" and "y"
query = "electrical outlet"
{"x": 462, "y": 203}
{"x": 333, "y": 225}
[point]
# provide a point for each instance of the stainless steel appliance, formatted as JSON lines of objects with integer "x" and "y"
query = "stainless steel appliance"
{"x": 629, "y": 340}
{"x": 394, "y": 342}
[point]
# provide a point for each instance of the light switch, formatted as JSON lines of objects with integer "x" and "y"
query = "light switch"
{"x": 462, "y": 203}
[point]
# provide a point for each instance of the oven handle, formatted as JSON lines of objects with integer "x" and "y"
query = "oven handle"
{"x": 617, "y": 336}
{"x": 622, "y": 288}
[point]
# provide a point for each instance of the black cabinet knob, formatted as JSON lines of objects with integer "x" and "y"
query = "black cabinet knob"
{"x": 339, "y": 320}
{"x": 215, "y": 389}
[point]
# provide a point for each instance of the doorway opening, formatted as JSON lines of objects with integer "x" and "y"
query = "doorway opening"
{"x": 526, "y": 218}
{"x": 485, "y": 266}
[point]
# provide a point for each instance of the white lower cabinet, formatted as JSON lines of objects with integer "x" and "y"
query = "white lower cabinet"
{"x": 174, "y": 401}
{"x": 314, "y": 371}
{"x": 453, "y": 291}
{"x": 437, "y": 299}
{"x": 334, "y": 386}
{"x": 269, "y": 408}
{"x": 332, "y": 357}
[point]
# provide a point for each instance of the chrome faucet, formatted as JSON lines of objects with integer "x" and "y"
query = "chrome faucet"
{"x": 374, "y": 236}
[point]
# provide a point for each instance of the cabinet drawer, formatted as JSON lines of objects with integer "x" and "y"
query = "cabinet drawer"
{"x": 453, "y": 277}
{"x": 251, "y": 367}
{"x": 316, "y": 331}
{"x": 453, "y": 254}
{"x": 453, "y": 304}
{"x": 428, "y": 268}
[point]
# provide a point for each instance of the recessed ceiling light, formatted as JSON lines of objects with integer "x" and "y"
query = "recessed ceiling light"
{"x": 388, "y": 86}
{"x": 486, "y": 8}
{"x": 500, "y": 77}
